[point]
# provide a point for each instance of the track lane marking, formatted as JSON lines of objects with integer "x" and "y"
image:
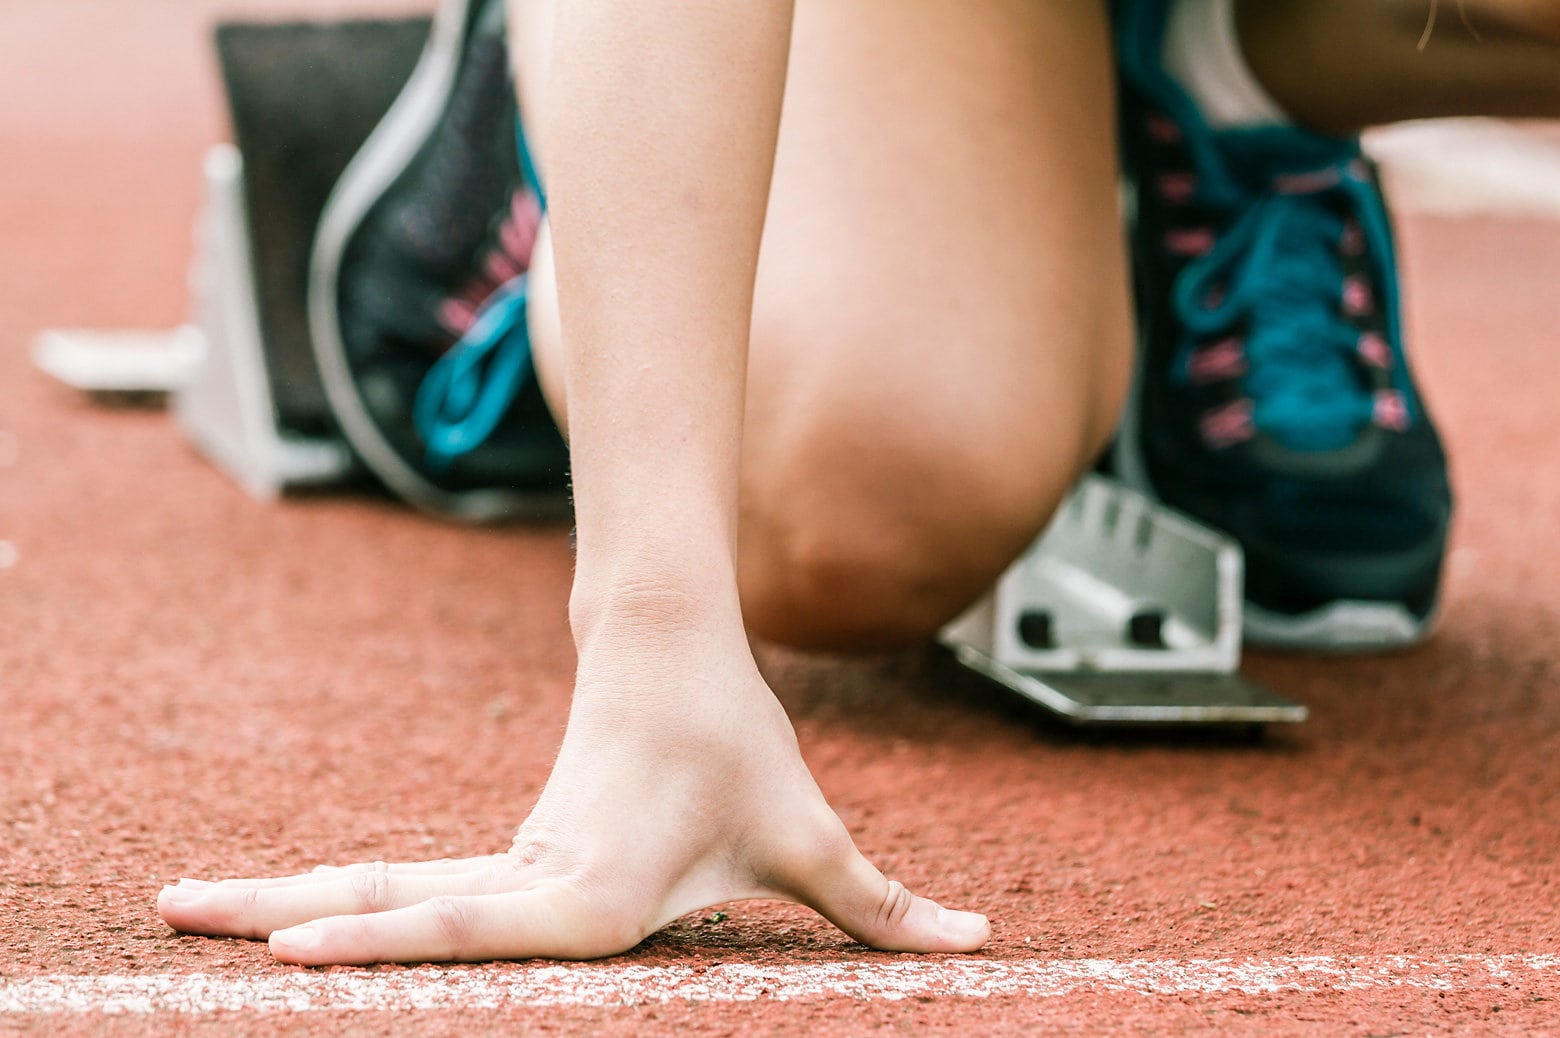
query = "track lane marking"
{"x": 627, "y": 985}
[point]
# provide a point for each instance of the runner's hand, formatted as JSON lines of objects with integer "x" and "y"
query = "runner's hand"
{"x": 671, "y": 793}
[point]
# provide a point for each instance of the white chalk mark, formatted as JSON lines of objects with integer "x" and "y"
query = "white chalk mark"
{"x": 523, "y": 986}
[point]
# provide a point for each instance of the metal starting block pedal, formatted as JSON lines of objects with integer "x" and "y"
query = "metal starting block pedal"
{"x": 1123, "y": 612}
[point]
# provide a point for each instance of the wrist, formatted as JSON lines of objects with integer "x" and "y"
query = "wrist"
{"x": 638, "y": 606}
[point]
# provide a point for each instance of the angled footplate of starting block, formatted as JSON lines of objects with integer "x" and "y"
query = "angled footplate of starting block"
{"x": 1123, "y": 612}
{"x": 241, "y": 376}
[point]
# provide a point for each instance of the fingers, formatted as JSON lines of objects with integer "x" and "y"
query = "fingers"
{"x": 881, "y": 913}
{"x": 436, "y": 867}
{"x": 255, "y": 910}
{"x": 441, "y": 866}
{"x": 539, "y": 923}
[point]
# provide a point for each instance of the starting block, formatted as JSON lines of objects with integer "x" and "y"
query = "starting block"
{"x": 212, "y": 370}
{"x": 1123, "y": 612}
{"x": 240, "y": 377}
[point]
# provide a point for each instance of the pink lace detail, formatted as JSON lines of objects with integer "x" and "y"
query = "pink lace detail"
{"x": 1195, "y": 241}
{"x": 1375, "y": 350}
{"x": 1177, "y": 187}
{"x": 456, "y": 315}
{"x": 507, "y": 258}
{"x": 1390, "y": 410}
{"x": 1357, "y": 297}
{"x": 1217, "y": 362}
{"x": 502, "y": 267}
{"x": 1228, "y": 425}
{"x": 518, "y": 234}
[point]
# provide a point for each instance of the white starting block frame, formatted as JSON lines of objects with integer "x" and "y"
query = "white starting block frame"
{"x": 1122, "y": 612}
{"x": 213, "y": 370}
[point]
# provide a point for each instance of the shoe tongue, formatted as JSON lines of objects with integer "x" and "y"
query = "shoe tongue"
{"x": 1257, "y": 157}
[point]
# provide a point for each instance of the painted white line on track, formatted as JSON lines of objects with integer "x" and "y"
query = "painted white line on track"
{"x": 596, "y": 986}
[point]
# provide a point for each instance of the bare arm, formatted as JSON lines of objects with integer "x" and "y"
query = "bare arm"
{"x": 660, "y": 159}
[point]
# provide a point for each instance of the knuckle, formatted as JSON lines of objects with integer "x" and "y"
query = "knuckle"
{"x": 452, "y": 922}
{"x": 536, "y": 844}
{"x": 806, "y": 854}
{"x": 501, "y": 877}
{"x": 372, "y": 891}
{"x": 895, "y": 906}
{"x": 248, "y": 899}
{"x": 242, "y": 913}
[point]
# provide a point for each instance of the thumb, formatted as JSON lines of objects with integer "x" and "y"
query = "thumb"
{"x": 883, "y": 914}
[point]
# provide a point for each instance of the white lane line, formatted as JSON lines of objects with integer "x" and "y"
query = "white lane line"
{"x": 595, "y": 986}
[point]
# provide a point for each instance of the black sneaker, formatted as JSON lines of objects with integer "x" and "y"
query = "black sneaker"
{"x": 1273, "y": 396}
{"x": 417, "y": 289}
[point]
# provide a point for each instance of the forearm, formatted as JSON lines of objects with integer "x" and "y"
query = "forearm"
{"x": 661, "y": 147}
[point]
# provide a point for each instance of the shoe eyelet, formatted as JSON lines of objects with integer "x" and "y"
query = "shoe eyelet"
{"x": 1389, "y": 410}
{"x": 1228, "y": 425}
{"x": 1178, "y": 187}
{"x": 1219, "y": 361}
{"x": 1358, "y": 300}
{"x": 1375, "y": 350}
{"x": 1189, "y": 242}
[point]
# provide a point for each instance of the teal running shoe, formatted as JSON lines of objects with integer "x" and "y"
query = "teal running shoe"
{"x": 1273, "y": 397}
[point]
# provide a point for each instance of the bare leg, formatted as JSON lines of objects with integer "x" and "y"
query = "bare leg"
{"x": 1340, "y": 65}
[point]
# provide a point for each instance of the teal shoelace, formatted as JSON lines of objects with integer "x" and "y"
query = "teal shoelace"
{"x": 469, "y": 390}
{"x": 1277, "y": 274}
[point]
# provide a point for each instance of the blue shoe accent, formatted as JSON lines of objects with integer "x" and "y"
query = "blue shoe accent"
{"x": 1274, "y": 399}
{"x": 467, "y": 393}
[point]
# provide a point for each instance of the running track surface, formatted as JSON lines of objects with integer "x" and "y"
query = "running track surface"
{"x": 195, "y": 684}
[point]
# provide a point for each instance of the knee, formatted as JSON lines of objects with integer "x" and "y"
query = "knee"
{"x": 857, "y": 559}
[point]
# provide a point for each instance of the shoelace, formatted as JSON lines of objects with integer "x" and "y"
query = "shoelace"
{"x": 1277, "y": 270}
{"x": 468, "y": 391}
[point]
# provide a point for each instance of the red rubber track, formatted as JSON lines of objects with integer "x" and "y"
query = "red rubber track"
{"x": 194, "y": 684}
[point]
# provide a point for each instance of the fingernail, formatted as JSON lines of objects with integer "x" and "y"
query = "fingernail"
{"x": 962, "y": 924}
{"x": 184, "y": 897}
{"x": 195, "y": 884}
{"x": 296, "y": 938}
